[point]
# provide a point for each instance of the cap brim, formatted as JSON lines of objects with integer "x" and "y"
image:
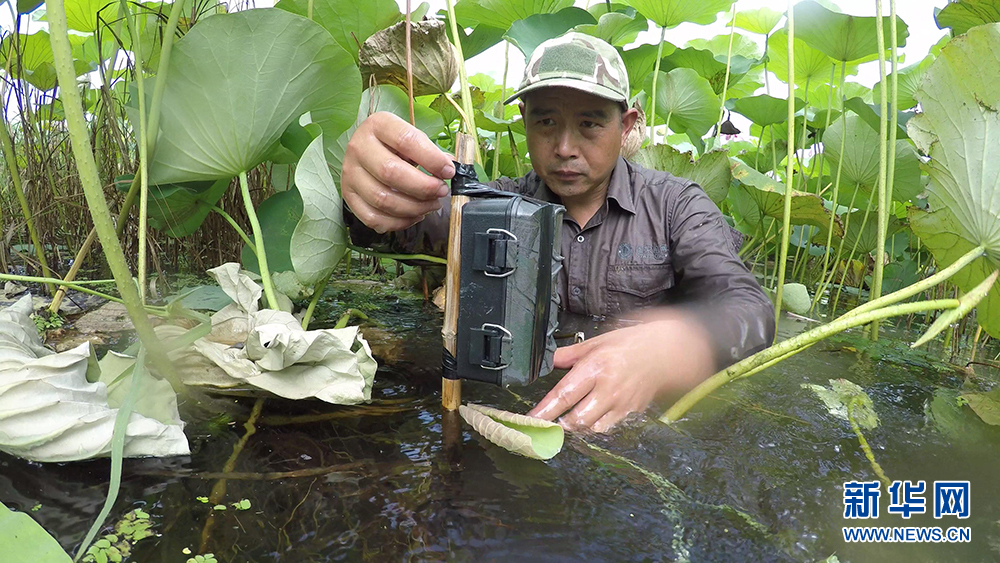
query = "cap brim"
{"x": 588, "y": 87}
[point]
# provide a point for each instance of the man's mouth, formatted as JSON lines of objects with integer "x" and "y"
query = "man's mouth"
{"x": 567, "y": 175}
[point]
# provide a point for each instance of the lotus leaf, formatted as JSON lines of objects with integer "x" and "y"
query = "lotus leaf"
{"x": 807, "y": 209}
{"x": 861, "y": 160}
{"x": 501, "y": 14}
{"x": 711, "y": 171}
{"x": 640, "y": 62}
{"x": 526, "y": 435}
{"x": 278, "y": 216}
{"x": 765, "y": 110}
{"x": 840, "y": 36}
{"x": 986, "y": 405}
{"x": 50, "y": 411}
{"x": 530, "y": 32}
{"x": 963, "y": 15}
{"x": 761, "y": 20}
{"x": 685, "y": 101}
{"x": 812, "y": 66}
{"x": 320, "y": 238}
{"x": 909, "y": 80}
{"x": 35, "y": 55}
{"x": 23, "y": 539}
{"x": 709, "y": 66}
{"x": 671, "y": 13}
{"x": 795, "y": 298}
{"x": 279, "y": 356}
{"x": 839, "y": 395}
{"x": 869, "y": 113}
{"x": 82, "y": 15}
{"x": 349, "y": 22}
{"x": 435, "y": 62}
{"x": 236, "y": 81}
{"x": 617, "y": 28}
{"x": 959, "y": 125}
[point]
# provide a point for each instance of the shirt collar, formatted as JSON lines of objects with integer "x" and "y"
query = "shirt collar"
{"x": 619, "y": 188}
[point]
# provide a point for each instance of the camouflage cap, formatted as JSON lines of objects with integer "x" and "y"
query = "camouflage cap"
{"x": 576, "y": 60}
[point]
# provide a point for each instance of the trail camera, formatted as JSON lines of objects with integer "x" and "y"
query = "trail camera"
{"x": 508, "y": 303}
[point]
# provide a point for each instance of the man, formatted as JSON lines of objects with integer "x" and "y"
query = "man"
{"x": 636, "y": 242}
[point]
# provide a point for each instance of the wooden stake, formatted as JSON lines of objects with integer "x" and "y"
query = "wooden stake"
{"x": 451, "y": 389}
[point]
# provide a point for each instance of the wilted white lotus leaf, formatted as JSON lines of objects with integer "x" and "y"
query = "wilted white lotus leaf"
{"x": 838, "y": 398}
{"x": 526, "y": 435}
{"x": 50, "y": 411}
{"x": 278, "y": 356}
{"x": 435, "y": 63}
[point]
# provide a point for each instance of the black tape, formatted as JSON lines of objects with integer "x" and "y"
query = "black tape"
{"x": 466, "y": 182}
{"x": 449, "y": 364}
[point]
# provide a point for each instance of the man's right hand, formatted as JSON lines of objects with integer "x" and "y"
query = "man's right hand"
{"x": 379, "y": 181}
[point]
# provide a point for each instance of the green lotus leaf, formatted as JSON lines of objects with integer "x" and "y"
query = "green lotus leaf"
{"x": 180, "y": 209}
{"x": 765, "y": 110}
{"x": 909, "y": 80}
{"x": 812, "y": 66}
{"x": 501, "y": 14}
{"x": 959, "y": 126}
{"x": 82, "y": 15}
{"x": 869, "y": 113}
{"x": 23, "y": 539}
{"x": 795, "y": 298}
{"x": 28, "y": 6}
{"x": 36, "y": 61}
{"x": 963, "y": 15}
{"x": 349, "y": 22}
{"x": 671, "y": 13}
{"x": 530, "y": 32}
{"x": 617, "y": 28}
{"x": 940, "y": 232}
{"x": 711, "y": 171}
{"x": 861, "y": 236}
{"x": 279, "y": 215}
{"x": 761, "y": 20}
{"x": 434, "y": 60}
{"x": 685, "y": 101}
{"x": 641, "y": 61}
{"x": 526, "y": 435}
{"x": 481, "y": 38}
{"x": 719, "y": 46}
{"x": 985, "y": 405}
{"x": 769, "y": 195}
{"x": 840, "y": 394}
{"x": 320, "y": 238}
{"x": 236, "y": 81}
{"x": 843, "y": 37}
{"x": 861, "y": 159}
{"x": 709, "y": 66}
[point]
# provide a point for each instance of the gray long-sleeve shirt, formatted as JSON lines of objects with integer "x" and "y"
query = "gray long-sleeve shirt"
{"x": 657, "y": 240}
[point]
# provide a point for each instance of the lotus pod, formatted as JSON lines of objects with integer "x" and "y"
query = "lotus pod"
{"x": 526, "y": 435}
{"x": 636, "y": 136}
{"x": 435, "y": 62}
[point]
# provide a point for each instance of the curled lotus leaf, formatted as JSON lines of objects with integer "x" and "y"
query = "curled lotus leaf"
{"x": 435, "y": 63}
{"x": 526, "y": 435}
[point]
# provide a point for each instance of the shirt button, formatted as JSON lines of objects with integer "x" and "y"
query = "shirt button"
{"x": 579, "y": 238}
{"x": 577, "y": 290}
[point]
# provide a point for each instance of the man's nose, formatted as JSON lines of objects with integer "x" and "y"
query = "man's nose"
{"x": 566, "y": 144}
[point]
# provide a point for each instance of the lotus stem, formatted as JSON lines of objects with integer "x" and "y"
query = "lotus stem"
{"x": 793, "y": 346}
{"x": 729, "y": 62}
{"x": 143, "y": 148}
{"x": 424, "y": 257}
{"x": 883, "y": 214}
{"x": 789, "y": 165}
{"x": 89, "y": 179}
{"x": 15, "y": 179}
{"x": 836, "y": 184}
{"x": 864, "y": 443}
{"x": 854, "y": 248}
{"x": 470, "y": 114}
{"x": 258, "y": 235}
{"x": 503, "y": 96}
{"x": 318, "y": 290}
{"x": 652, "y": 103}
{"x": 239, "y": 230}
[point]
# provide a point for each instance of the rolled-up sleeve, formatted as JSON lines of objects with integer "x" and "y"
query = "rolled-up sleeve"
{"x": 714, "y": 283}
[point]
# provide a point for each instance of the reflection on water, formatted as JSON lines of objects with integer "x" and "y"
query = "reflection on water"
{"x": 754, "y": 474}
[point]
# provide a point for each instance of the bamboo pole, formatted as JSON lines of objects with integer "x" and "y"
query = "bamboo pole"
{"x": 451, "y": 389}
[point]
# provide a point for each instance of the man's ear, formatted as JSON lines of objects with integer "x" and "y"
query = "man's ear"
{"x": 628, "y": 121}
{"x": 520, "y": 107}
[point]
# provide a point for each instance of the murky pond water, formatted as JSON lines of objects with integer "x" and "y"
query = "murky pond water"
{"x": 755, "y": 473}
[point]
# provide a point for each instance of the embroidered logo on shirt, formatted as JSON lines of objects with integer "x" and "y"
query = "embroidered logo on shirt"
{"x": 642, "y": 253}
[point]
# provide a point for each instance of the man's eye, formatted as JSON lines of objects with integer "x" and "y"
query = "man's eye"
{"x": 546, "y": 121}
{"x": 589, "y": 124}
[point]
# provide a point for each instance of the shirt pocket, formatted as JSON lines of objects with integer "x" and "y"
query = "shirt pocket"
{"x": 635, "y": 286}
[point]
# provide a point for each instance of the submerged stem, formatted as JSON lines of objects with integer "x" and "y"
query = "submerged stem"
{"x": 864, "y": 443}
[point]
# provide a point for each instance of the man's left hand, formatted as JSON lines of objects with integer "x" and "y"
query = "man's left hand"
{"x": 622, "y": 371}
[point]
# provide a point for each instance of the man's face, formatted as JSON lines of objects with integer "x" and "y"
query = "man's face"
{"x": 574, "y": 139}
